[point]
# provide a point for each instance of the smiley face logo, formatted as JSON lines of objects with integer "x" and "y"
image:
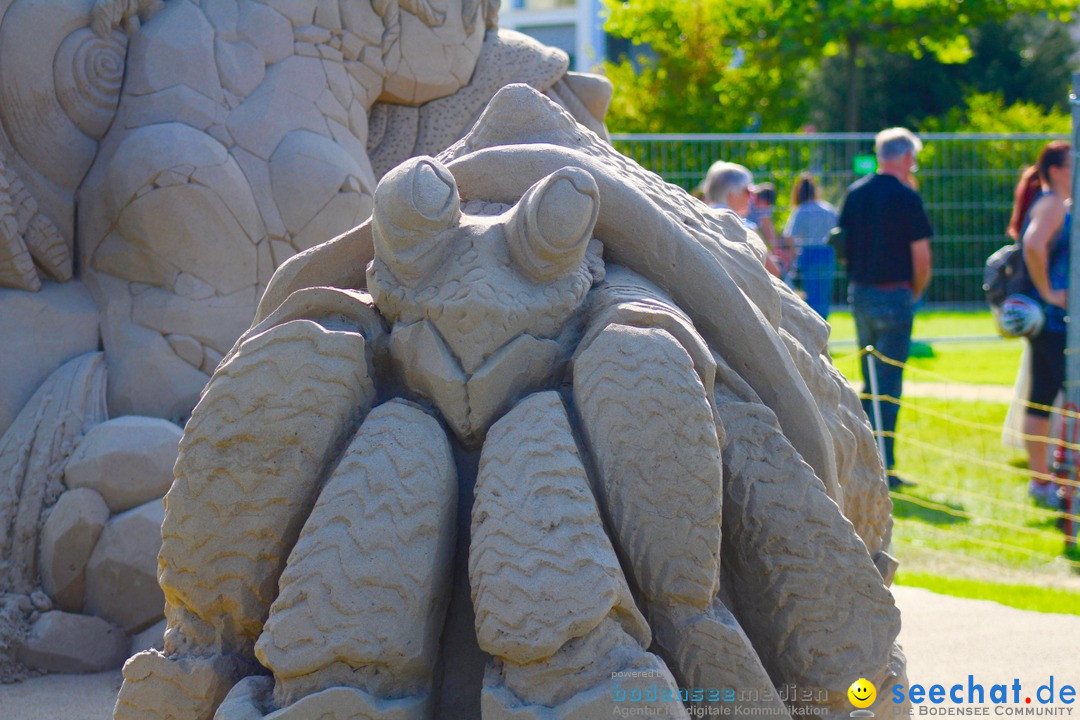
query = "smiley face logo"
{"x": 862, "y": 693}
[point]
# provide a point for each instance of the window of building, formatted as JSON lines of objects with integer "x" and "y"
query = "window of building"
{"x": 563, "y": 37}
{"x": 537, "y": 4}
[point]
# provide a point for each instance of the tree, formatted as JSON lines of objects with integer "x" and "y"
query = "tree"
{"x": 699, "y": 66}
{"x": 988, "y": 113}
{"x": 709, "y": 65}
{"x": 1024, "y": 60}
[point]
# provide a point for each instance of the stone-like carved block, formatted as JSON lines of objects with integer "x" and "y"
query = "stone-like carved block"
{"x": 540, "y": 579}
{"x": 67, "y": 539}
{"x": 551, "y": 603}
{"x": 249, "y": 488}
{"x": 159, "y": 687}
{"x": 51, "y": 644}
{"x": 125, "y": 556}
{"x": 128, "y": 461}
{"x": 654, "y": 441}
{"x": 792, "y": 535}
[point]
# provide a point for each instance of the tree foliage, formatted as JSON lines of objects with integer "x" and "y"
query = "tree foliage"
{"x": 988, "y": 113}
{"x": 1023, "y": 61}
{"x": 732, "y": 65}
{"x": 702, "y": 66}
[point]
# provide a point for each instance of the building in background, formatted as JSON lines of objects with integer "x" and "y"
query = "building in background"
{"x": 575, "y": 26}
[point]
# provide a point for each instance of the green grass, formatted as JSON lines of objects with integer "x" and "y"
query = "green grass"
{"x": 983, "y": 361}
{"x": 968, "y": 472}
{"x": 969, "y": 519}
{"x": 1024, "y": 597}
{"x": 928, "y": 324}
{"x": 968, "y": 528}
{"x": 989, "y": 363}
{"x": 979, "y": 362}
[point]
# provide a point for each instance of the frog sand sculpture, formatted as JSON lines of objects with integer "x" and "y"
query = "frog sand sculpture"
{"x": 540, "y": 437}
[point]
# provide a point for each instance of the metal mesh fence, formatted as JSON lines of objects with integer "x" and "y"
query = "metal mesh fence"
{"x": 966, "y": 182}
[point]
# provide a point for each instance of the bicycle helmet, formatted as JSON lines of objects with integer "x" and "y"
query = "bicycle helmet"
{"x": 1020, "y": 316}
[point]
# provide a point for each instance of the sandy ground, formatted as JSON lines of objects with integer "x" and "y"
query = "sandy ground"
{"x": 945, "y": 640}
{"x": 61, "y": 697}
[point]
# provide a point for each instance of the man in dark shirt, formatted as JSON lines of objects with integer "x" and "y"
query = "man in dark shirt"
{"x": 887, "y": 244}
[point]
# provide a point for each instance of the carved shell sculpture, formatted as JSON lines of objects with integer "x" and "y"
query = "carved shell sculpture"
{"x": 564, "y": 444}
{"x": 59, "y": 88}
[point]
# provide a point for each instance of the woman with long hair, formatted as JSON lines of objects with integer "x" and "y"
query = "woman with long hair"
{"x": 806, "y": 235}
{"x": 1040, "y": 219}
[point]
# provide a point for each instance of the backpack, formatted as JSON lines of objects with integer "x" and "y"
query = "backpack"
{"x": 1005, "y": 274}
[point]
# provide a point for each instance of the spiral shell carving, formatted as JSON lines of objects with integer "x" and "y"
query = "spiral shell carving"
{"x": 59, "y": 90}
{"x": 48, "y": 122}
{"x": 88, "y": 73}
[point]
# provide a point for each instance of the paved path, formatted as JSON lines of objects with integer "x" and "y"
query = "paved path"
{"x": 944, "y": 638}
{"x": 952, "y": 391}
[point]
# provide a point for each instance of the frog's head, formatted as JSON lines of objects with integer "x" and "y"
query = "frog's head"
{"x": 479, "y": 302}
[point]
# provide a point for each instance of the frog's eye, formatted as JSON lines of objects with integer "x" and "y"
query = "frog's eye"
{"x": 550, "y": 227}
{"x": 414, "y": 203}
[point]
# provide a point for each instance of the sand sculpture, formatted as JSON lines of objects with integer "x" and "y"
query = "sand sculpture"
{"x": 158, "y": 160}
{"x": 540, "y": 437}
{"x": 565, "y": 444}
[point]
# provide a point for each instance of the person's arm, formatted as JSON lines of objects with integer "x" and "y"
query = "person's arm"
{"x": 1047, "y": 217}
{"x": 840, "y": 238}
{"x": 771, "y": 266}
{"x": 921, "y": 263}
{"x": 920, "y": 230}
{"x": 768, "y": 230}
{"x": 785, "y": 249}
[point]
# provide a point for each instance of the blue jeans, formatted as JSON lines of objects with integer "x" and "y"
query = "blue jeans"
{"x": 816, "y": 266}
{"x": 883, "y": 319}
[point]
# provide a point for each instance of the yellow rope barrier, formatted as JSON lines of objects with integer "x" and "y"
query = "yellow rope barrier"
{"x": 968, "y": 516}
{"x": 958, "y": 554}
{"x": 945, "y": 380}
{"x": 1056, "y": 442}
{"x": 981, "y": 461}
{"x": 941, "y": 451}
{"x": 934, "y": 486}
{"x": 896, "y": 363}
{"x": 1003, "y": 546}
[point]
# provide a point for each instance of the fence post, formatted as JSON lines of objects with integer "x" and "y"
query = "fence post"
{"x": 1072, "y": 337}
{"x": 875, "y": 401}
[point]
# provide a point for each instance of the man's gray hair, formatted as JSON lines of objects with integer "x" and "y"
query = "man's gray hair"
{"x": 723, "y": 179}
{"x": 894, "y": 142}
